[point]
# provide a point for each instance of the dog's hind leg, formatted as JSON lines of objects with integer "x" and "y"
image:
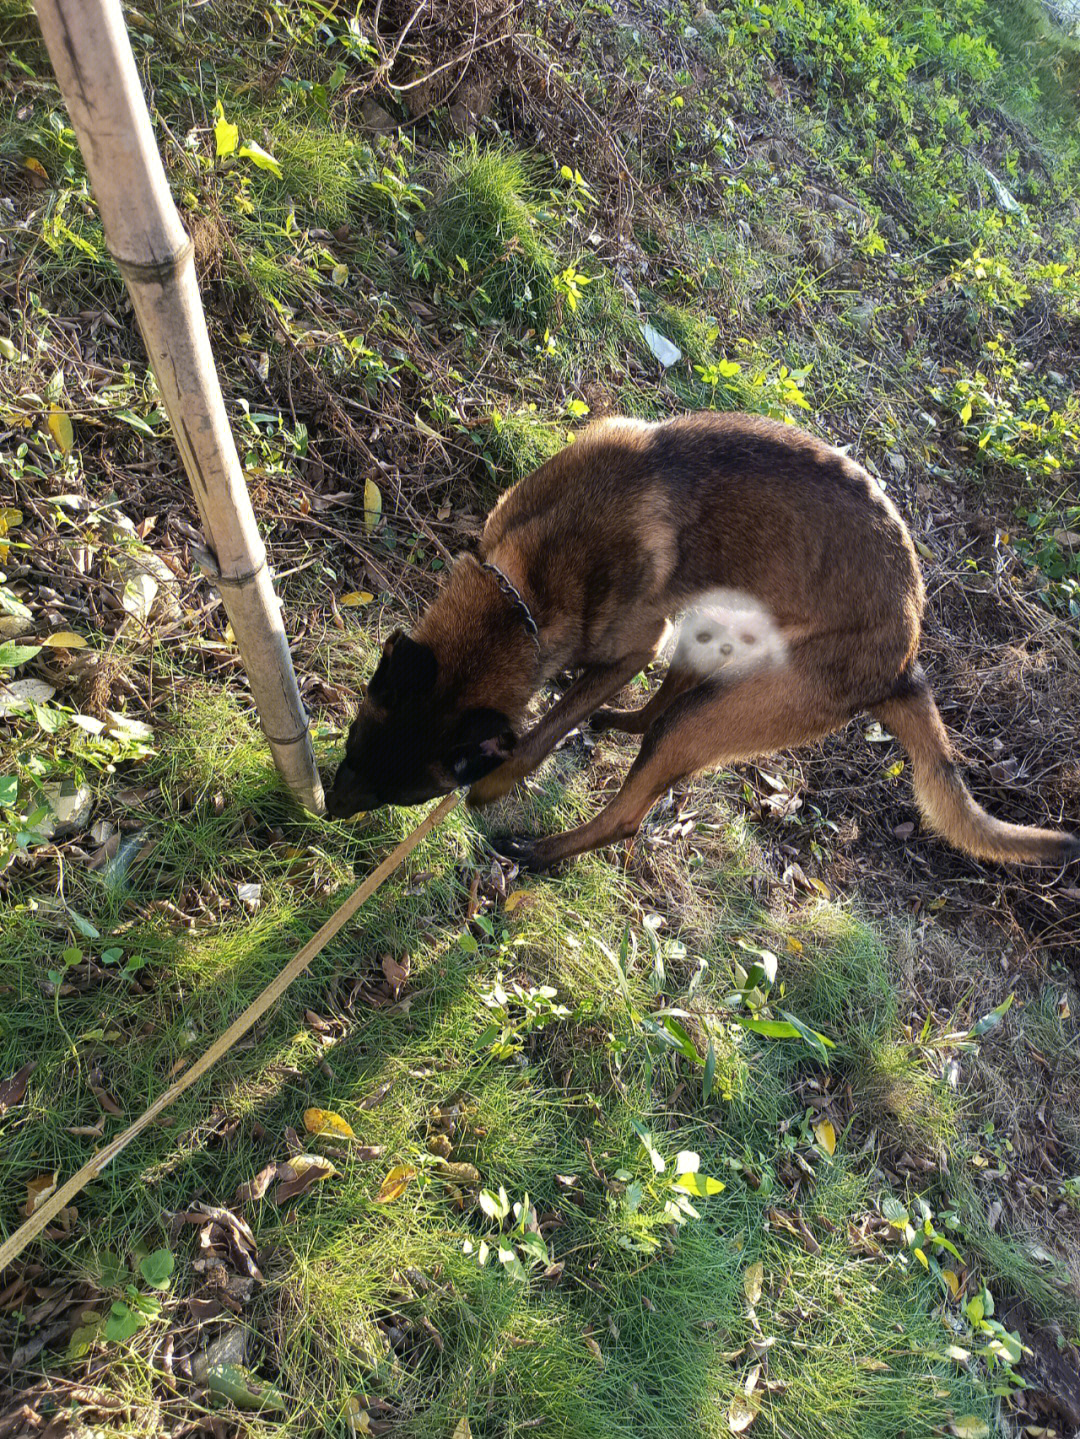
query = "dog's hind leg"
{"x": 711, "y": 725}
{"x": 590, "y": 689}
{"x": 639, "y": 721}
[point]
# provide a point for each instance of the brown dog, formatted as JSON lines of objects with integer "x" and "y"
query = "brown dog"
{"x": 801, "y": 596}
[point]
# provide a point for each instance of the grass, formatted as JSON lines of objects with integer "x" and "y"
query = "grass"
{"x": 494, "y": 292}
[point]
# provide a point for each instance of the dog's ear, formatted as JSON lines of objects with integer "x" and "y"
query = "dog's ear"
{"x": 481, "y": 741}
{"x": 406, "y": 669}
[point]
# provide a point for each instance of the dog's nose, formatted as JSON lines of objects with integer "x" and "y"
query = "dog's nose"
{"x": 344, "y": 800}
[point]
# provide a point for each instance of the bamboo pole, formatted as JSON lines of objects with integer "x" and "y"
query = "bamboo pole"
{"x": 91, "y": 55}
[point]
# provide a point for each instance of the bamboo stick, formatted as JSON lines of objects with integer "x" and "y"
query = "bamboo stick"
{"x": 91, "y": 55}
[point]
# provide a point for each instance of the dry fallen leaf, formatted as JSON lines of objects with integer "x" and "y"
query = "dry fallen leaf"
{"x": 519, "y": 896}
{"x": 257, "y": 1187}
{"x": 753, "y": 1280}
{"x": 13, "y": 1090}
{"x": 64, "y": 640}
{"x": 372, "y": 505}
{"x": 300, "y": 1174}
{"x": 38, "y": 1190}
{"x": 593, "y": 1348}
{"x": 377, "y": 1095}
{"x": 461, "y": 1428}
{"x": 742, "y": 1412}
{"x": 970, "y": 1426}
{"x": 825, "y": 1135}
{"x": 324, "y": 1121}
{"x": 395, "y": 1183}
{"x": 396, "y": 971}
{"x": 355, "y": 598}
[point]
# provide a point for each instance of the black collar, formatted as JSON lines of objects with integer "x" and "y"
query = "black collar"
{"x": 514, "y": 595}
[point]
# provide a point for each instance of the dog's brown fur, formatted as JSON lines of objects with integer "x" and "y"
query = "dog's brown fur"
{"x": 605, "y": 542}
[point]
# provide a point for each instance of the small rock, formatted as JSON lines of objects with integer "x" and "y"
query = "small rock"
{"x": 102, "y": 831}
{"x": 897, "y": 463}
{"x": 374, "y": 117}
{"x": 229, "y": 1347}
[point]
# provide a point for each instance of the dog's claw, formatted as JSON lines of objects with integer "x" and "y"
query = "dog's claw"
{"x": 522, "y": 851}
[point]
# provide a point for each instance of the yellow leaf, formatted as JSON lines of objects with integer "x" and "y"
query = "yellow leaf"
{"x": 952, "y": 1281}
{"x": 372, "y": 505}
{"x": 38, "y": 1190}
{"x": 36, "y": 167}
{"x": 752, "y": 1282}
{"x": 65, "y": 640}
{"x": 355, "y": 598}
{"x": 822, "y": 888}
{"x": 924, "y": 550}
{"x": 9, "y": 519}
{"x": 324, "y": 1121}
{"x": 339, "y": 274}
{"x": 794, "y": 945}
{"x": 742, "y": 1412}
{"x": 226, "y": 136}
{"x": 461, "y": 1428}
{"x": 970, "y": 1427}
{"x": 519, "y": 897}
{"x": 825, "y": 1135}
{"x": 60, "y": 429}
{"x": 395, "y": 1183}
{"x": 356, "y": 1416}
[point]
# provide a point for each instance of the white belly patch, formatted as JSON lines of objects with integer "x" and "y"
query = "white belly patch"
{"x": 727, "y": 632}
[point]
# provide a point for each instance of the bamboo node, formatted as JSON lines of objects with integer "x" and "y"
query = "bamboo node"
{"x": 156, "y": 270}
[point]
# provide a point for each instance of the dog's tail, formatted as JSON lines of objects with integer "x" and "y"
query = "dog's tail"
{"x": 943, "y": 799}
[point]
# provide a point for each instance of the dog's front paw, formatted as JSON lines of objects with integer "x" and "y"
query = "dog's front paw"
{"x": 487, "y": 790}
{"x": 526, "y": 853}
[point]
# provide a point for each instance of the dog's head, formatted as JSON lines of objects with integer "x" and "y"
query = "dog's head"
{"x": 412, "y": 738}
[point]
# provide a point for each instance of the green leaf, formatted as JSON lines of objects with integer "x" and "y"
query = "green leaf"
{"x": 710, "y": 1073}
{"x": 496, "y": 1207}
{"x": 895, "y": 1212}
{"x": 817, "y": 1042}
{"x": 770, "y": 1028}
{"x": 682, "y": 1041}
{"x": 649, "y": 1146}
{"x": 9, "y": 789}
{"x": 156, "y": 1268}
{"x": 122, "y": 1324}
{"x": 136, "y": 422}
{"x": 12, "y": 655}
{"x": 226, "y": 136}
{"x": 232, "y": 1382}
{"x": 700, "y": 1184}
{"x": 85, "y": 928}
{"x": 258, "y": 156}
{"x": 993, "y": 1019}
{"x": 511, "y": 1263}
